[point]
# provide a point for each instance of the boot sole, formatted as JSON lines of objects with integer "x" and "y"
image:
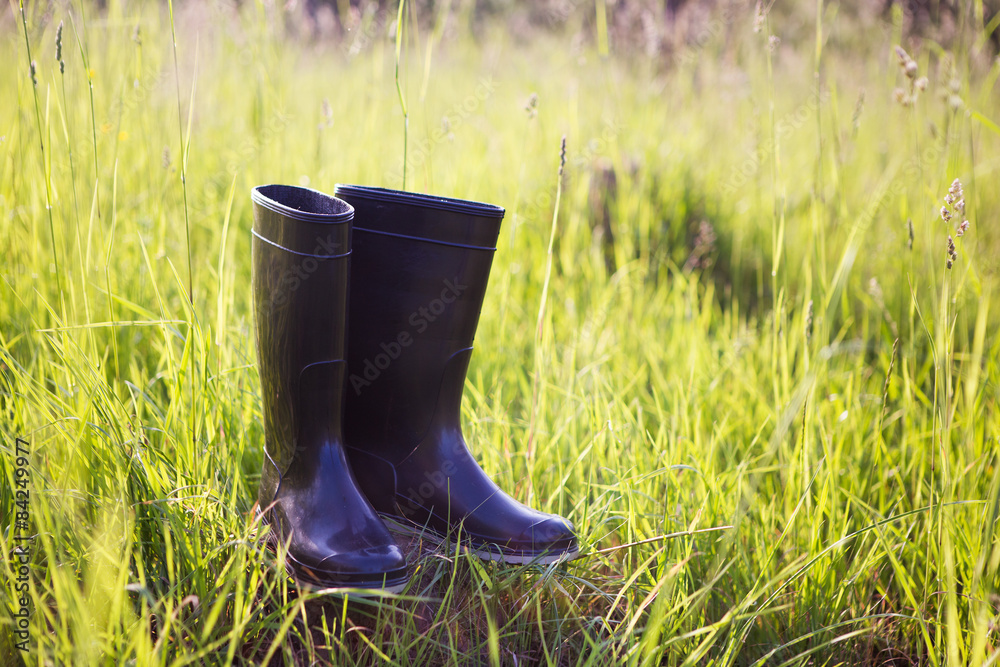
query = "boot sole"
{"x": 356, "y": 591}
{"x": 515, "y": 559}
{"x": 485, "y": 553}
{"x": 360, "y": 589}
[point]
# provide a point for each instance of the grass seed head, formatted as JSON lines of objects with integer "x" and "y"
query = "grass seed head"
{"x": 909, "y": 232}
{"x": 702, "y": 254}
{"x": 875, "y": 292}
{"x": 955, "y": 190}
{"x": 562, "y": 155}
{"x": 809, "y": 320}
{"x": 910, "y": 70}
{"x": 859, "y": 106}
{"x": 59, "y": 42}
{"x": 951, "y": 92}
{"x": 326, "y": 114}
{"x": 759, "y": 14}
{"x": 531, "y": 106}
{"x": 954, "y": 207}
{"x": 906, "y": 63}
{"x": 34, "y": 74}
{"x": 446, "y": 128}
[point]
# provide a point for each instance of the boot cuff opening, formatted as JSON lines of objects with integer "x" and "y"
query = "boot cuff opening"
{"x": 416, "y": 199}
{"x": 302, "y": 203}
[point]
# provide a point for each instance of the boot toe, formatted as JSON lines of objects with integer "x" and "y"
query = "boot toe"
{"x": 552, "y": 535}
{"x": 382, "y": 566}
{"x": 368, "y": 562}
{"x": 366, "y": 559}
{"x": 548, "y": 539}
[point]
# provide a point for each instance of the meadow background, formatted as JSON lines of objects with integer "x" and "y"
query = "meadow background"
{"x": 755, "y": 385}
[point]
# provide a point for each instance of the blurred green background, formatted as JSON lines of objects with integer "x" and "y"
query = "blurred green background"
{"x": 764, "y": 388}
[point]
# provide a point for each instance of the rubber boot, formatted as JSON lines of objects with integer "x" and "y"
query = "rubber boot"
{"x": 301, "y": 264}
{"x": 420, "y": 268}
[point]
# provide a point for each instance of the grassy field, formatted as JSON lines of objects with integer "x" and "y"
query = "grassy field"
{"x": 763, "y": 388}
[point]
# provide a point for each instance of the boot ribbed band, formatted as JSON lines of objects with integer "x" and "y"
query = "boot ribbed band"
{"x": 426, "y": 240}
{"x": 296, "y": 252}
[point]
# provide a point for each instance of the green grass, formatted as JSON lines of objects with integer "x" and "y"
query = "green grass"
{"x": 777, "y": 432}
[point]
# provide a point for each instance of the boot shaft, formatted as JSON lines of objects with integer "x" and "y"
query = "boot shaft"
{"x": 301, "y": 265}
{"x": 420, "y": 269}
{"x": 419, "y": 276}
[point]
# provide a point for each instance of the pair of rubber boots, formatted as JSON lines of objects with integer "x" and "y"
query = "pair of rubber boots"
{"x": 364, "y": 334}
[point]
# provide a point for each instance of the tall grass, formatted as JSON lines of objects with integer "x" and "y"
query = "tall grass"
{"x": 768, "y": 462}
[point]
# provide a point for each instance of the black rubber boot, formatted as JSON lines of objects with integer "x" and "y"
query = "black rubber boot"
{"x": 301, "y": 263}
{"x": 420, "y": 268}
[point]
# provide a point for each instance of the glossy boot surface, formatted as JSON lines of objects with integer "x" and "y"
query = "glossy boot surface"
{"x": 301, "y": 264}
{"x": 419, "y": 274}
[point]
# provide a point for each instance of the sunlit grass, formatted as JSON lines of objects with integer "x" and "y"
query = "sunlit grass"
{"x": 748, "y": 478}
